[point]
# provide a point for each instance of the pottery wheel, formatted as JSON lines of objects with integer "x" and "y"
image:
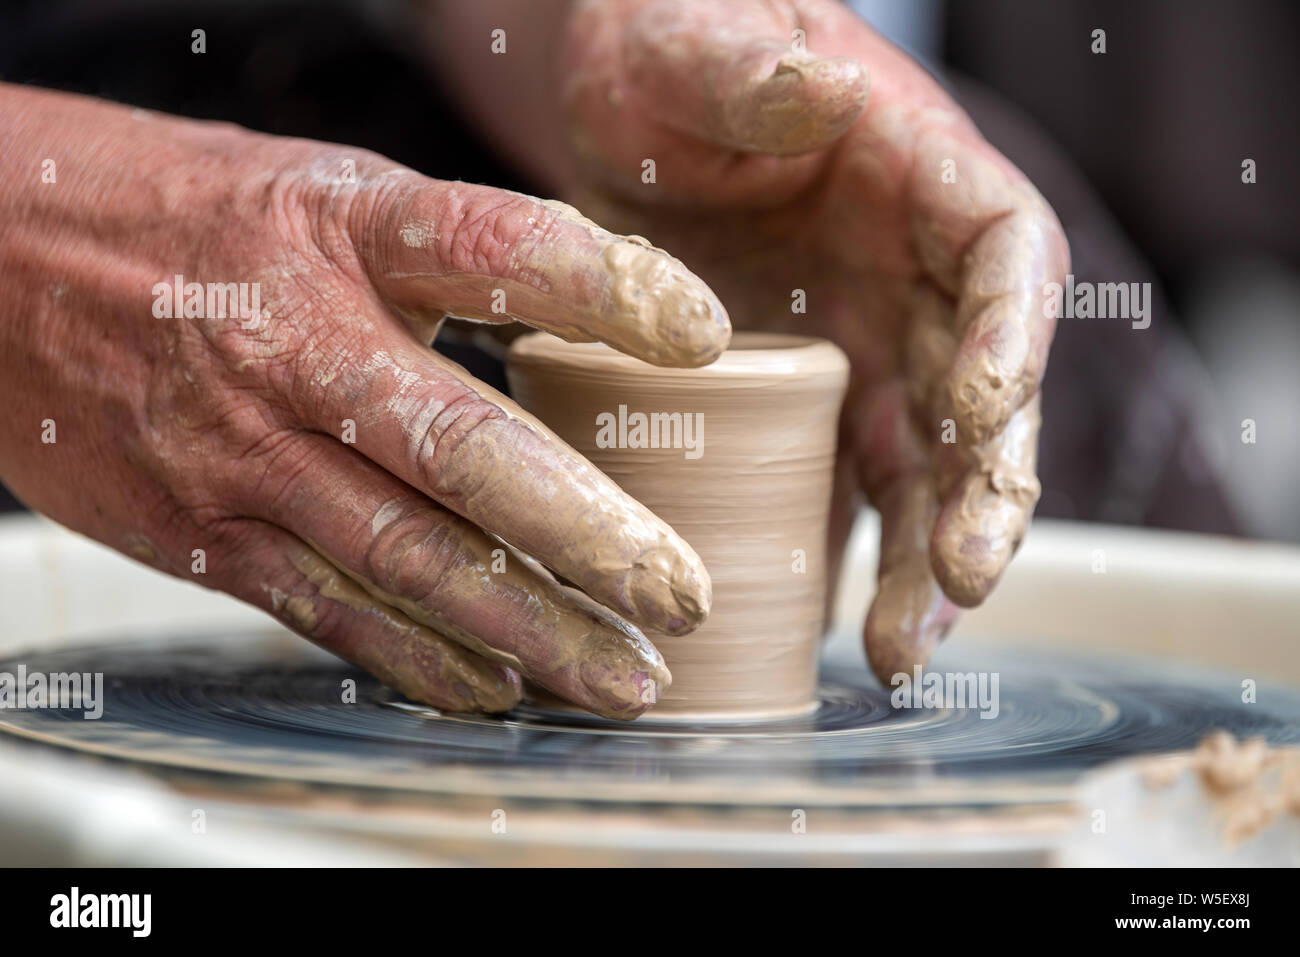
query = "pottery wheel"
{"x": 240, "y": 706}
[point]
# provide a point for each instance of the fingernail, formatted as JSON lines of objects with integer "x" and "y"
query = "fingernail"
{"x": 623, "y": 696}
{"x": 624, "y": 681}
{"x": 671, "y": 593}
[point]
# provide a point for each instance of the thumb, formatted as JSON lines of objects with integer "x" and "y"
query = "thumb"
{"x": 739, "y": 75}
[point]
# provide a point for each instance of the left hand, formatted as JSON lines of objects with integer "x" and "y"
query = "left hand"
{"x": 850, "y": 175}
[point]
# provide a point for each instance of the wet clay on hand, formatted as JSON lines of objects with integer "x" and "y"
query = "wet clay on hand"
{"x": 738, "y": 458}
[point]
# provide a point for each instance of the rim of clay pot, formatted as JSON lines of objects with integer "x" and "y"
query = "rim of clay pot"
{"x": 750, "y": 353}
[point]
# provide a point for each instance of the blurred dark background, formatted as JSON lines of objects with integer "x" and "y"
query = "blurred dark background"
{"x": 1139, "y": 149}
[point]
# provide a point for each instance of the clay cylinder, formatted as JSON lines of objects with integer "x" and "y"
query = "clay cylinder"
{"x": 738, "y": 458}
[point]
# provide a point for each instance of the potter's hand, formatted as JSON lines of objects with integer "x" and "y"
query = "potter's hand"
{"x": 310, "y": 455}
{"x": 917, "y": 247}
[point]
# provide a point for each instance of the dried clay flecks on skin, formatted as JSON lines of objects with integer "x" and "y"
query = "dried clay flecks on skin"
{"x": 574, "y": 278}
{"x": 479, "y": 686}
{"x": 564, "y": 641}
{"x": 610, "y": 546}
{"x": 754, "y": 502}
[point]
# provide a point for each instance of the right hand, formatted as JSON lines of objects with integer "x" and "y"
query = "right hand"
{"x": 228, "y": 434}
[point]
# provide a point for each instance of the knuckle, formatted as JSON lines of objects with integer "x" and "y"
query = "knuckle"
{"x": 194, "y": 443}
{"x": 317, "y": 332}
{"x": 416, "y": 556}
{"x": 320, "y": 350}
{"x": 448, "y": 447}
{"x": 341, "y": 209}
{"x": 482, "y": 231}
{"x": 302, "y": 212}
{"x": 332, "y": 207}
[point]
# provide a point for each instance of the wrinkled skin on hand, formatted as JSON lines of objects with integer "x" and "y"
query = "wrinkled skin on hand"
{"x": 331, "y": 468}
{"x": 824, "y": 171}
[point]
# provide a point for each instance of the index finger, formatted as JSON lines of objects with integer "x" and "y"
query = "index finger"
{"x": 494, "y": 255}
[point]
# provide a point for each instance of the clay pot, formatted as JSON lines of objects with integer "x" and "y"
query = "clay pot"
{"x": 738, "y": 458}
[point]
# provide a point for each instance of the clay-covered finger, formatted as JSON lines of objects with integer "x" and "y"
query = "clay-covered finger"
{"x": 738, "y": 75}
{"x": 984, "y": 519}
{"x": 433, "y": 247}
{"x": 991, "y": 242}
{"x": 1005, "y": 334}
{"x": 425, "y": 420}
{"x": 272, "y": 569}
{"x": 909, "y": 615}
{"x": 437, "y": 569}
